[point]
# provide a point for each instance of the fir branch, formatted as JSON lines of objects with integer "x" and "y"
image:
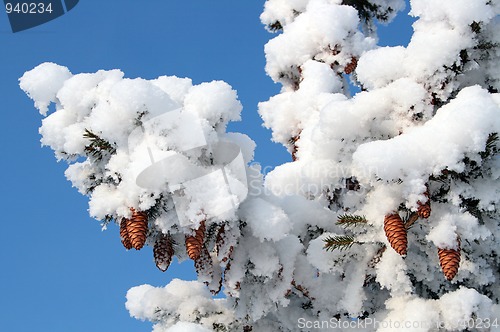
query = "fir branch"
{"x": 275, "y": 27}
{"x": 158, "y": 208}
{"x": 491, "y": 146}
{"x": 348, "y": 220}
{"x": 105, "y": 222}
{"x": 378, "y": 256}
{"x": 340, "y": 242}
{"x": 471, "y": 205}
{"x": 301, "y": 289}
{"x": 99, "y": 179}
{"x": 97, "y": 145}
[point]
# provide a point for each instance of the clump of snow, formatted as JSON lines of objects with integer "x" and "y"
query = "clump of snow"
{"x": 267, "y": 221}
{"x": 215, "y": 101}
{"x": 458, "y": 129}
{"x": 315, "y": 32}
{"x": 414, "y": 314}
{"x": 43, "y": 83}
{"x": 179, "y": 300}
{"x": 463, "y": 305}
{"x": 444, "y": 234}
{"x": 464, "y": 12}
{"x": 175, "y": 87}
{"x": 283, "y": 11}
{"x": 379, "y": 67}
{"x": 392, "y": 274}
{"x": 324, "y": 261}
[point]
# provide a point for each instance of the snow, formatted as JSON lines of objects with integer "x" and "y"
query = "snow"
{"x": 392, "y": 274}
{"x": 283, "y": 11}
{"x": 377, "y": 68}
{"x": 461, "y": 305}
{"x": 175, "y": 87}
{"x": 420, "y": 123}
{"x": 402, "y": 309}
{"x": 322, "y": 26}
{"x": 215, "y": 101}
{"x": 321, "y": 259}
{"x": 187, "y": 327}
{"x": 180, "y": 299}
{"x": 464, "y": 12}
{"x": 444, "y": 234}
{"x": 267, "y": 221}
{"x": 458, "y": 129}
{"x": 139, "y": 117}
{"x": 43, "y": 83}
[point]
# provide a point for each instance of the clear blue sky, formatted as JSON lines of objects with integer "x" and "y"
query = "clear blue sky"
{"x": 58, "y": 271}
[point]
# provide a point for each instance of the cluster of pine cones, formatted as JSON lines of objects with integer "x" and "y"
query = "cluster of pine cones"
{"x": 396, "y": 232}
{"x": 133, "y": 234}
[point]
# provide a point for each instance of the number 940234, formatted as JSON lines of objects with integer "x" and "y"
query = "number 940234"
{"x": 28, "y": 8}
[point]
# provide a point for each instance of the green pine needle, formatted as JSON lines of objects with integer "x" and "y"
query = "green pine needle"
{"x": 347, "y": 220}
{"x": 340, "y": 242}
{"x": 97, "y": 145}
{"x": 275, "y": 27}
{"x": 491, "y": 146}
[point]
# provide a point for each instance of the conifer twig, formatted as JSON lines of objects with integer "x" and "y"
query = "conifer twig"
{"x": 491, "y": 146}
{"x": 340, "y": 242}
{"x": 348, "y": 220}
{"x": 97, "y": 145}
{"x": 301, "y": 289}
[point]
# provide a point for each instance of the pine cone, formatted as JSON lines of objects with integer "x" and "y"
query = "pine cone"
{"x": 424, "y": 209}
{"x": 163, "y": 251}
{"x": 351, "y": 66}
{"x": 396, "y": 233}
{"x": 449, "y": 259}
{"x": 137, "y": 227}
{"x": 124, "y": 235}
{"x": 194, "y": 244}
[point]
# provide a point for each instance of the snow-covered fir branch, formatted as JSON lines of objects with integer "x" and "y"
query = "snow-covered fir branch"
{"x": 417, "y": 146}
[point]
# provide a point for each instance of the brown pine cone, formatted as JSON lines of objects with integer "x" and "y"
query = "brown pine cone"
{"x": 351, "y": 66}
{"x": 163, "y": 251}
{"x": 137, "y": 227}
{"x": 396, "y": 233}
{"x": 424, "y": 209}
{"x": 124, "y": 235}
{"x": 449, "y": 259}
{"x": 194, "y": 244}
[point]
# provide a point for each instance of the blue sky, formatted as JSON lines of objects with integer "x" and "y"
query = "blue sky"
{"x": 59, "y": 272}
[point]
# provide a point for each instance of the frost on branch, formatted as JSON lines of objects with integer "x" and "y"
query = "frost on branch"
{"x": 389, "y": 209}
